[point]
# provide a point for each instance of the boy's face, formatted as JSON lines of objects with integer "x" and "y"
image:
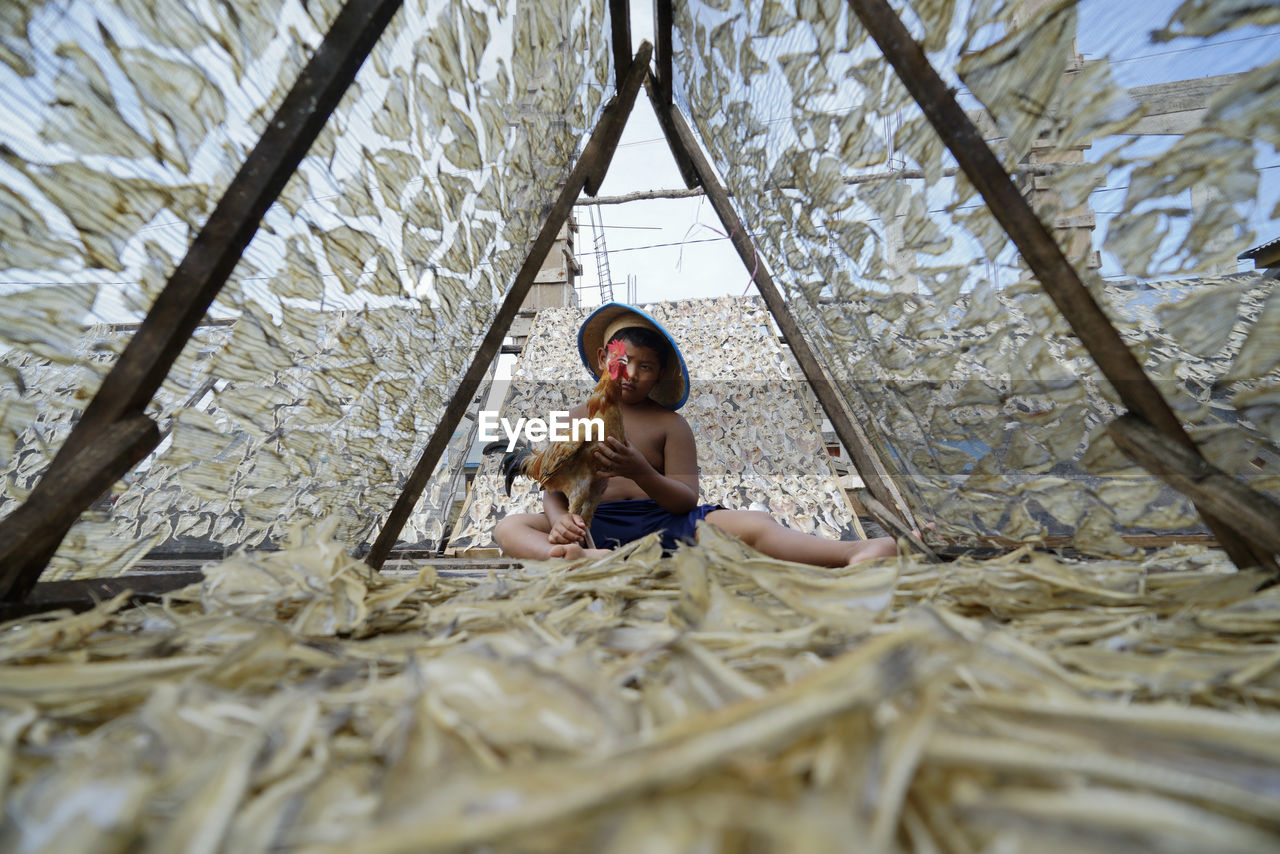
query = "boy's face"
{"x": 639, "y": 375}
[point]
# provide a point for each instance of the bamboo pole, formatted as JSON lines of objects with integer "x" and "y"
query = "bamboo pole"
{"x": 1050, "y": 266}
{"x": 851, "y": 436}
{"x": 180, "y": 307}
{"x": 591, "y": 166}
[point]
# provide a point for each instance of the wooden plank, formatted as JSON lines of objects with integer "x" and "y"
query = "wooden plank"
{"x": 851, "y": 436}
{"x": 1253, "y": 515}
{"x": 620, "y": 24}
{"x": 1038, "y": 248}
{"x": 149, "y": 585}
{"x": 82, "y": 594}
{"x": 480, "y": 552}
{"x": 593, "y": 162}
{"x": 34, "y": 531}
{"x": 180, "y": 307}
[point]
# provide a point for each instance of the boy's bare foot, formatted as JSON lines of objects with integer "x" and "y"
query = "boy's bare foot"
{"x": 573, "y": 551}
{"x": 878, "y": 547}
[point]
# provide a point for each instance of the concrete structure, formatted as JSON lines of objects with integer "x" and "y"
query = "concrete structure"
{"x": 555, "y": 286}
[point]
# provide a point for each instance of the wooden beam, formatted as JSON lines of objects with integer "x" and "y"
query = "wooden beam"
{"x": 1250, "y": 513}
{"x": 1038, "y": 248}
{"x": 641, "y": 196}
{"x": 659, "y": 87}
{"x": 660, "y": 93}
{"x": 663, "y": 111}
{"x": 84, "y": 593}
{"x": 620, "y": 24}
{"x": 179, "y": 308}
{"x": 593, "y": 164}
{"x": 892, "y": 175}
{"x": 851, "y": 436}
{"x": 599, "y": 149}
{"x": 35, "y": 530}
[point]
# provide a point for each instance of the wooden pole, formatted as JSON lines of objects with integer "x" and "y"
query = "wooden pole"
{"x": 1253, "y": 514}
{"x": 851, "y": 436}
{"x": 892, "y": 175}
{"x": 896, "y": 528}
{"x": 687, "y": 173}
{"x": 1050, "y": 266}
{"x": 41, "y": 521}
{"x": 145, "y": 362}
{"x": 620, "y": 24}
{"x": 597, "y": 154}
{"x": 592, "y": 165}
{"x": 658, "y": 87}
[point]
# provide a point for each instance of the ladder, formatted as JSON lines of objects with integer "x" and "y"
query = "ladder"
{"x": 602, "y": 254}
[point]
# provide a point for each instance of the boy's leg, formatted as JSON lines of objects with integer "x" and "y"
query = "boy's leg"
{"x": 524, "y": 535}
{"x": 762, "y": 532}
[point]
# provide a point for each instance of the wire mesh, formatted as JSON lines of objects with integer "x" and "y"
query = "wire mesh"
{"x": 981, "y": 400}
{"x": 361, "y": 298}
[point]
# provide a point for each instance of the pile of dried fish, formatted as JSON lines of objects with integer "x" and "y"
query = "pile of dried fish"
{"x": 712, "y": 700}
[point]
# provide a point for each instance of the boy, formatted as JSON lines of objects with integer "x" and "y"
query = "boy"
{"x": 653, "y": 476}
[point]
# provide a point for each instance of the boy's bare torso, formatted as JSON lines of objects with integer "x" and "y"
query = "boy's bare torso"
{"x": 646, "y": 426}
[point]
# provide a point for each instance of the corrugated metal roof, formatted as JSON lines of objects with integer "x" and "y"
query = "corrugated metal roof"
{"x": 1250, "y": 254}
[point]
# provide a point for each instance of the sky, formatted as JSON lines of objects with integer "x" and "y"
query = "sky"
{"x": 676, "y": 248}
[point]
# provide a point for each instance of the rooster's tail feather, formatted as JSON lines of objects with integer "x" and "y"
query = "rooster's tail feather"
{"x": 512, "y": 461}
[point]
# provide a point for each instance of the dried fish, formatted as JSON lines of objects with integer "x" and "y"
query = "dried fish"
{"x": 530, "y": 707}
{"x": 85, "y": 114}
{"x": 178, "y": 95}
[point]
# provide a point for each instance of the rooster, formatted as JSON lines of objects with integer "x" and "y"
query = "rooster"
{"x": 571, "y": 467}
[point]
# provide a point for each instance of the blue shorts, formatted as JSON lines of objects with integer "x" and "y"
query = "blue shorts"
{"x": 618, "y": 522}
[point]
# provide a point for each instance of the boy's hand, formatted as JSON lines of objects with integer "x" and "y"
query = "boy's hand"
{"x": 569, "y": 528}
{"x": 621, "y": 459}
